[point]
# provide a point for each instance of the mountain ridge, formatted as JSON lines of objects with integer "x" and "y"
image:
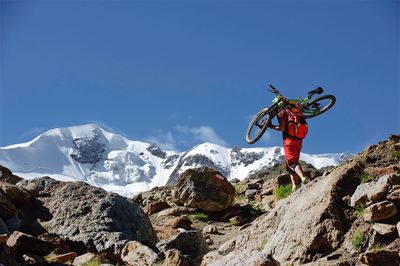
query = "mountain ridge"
{"x": 92, "y": 154}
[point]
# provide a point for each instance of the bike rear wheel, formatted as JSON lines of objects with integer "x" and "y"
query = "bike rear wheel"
{"x": 258, "y": 125}
{"x": 318, "y": 106}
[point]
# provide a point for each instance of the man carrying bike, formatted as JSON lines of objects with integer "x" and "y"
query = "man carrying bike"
{"x": 292, "y": 144}
{"x": 292, "y": 115}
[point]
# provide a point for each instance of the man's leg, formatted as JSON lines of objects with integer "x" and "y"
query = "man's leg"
{"x": 299, "y": 172}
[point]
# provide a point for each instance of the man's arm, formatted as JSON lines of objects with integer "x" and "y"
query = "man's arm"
{"x": 282, "y": 123}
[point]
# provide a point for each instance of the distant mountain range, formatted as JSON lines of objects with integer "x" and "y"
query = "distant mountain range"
{"x": 90, "y": 153}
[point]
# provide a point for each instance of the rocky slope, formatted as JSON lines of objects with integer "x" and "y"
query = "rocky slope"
{"x": 346, "y": 215}
{"x": 91, "y": 154}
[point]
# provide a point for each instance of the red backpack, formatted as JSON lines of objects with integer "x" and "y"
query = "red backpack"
{"x": 296, "y": 126}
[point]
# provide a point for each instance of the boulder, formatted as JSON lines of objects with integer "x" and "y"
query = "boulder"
{"x": 15, "y": 194}
{"x": 203, "y": 188}
{"x": 134, "y": 253}
{"x": 380, "y": 257}
{"x": 189, "y": 243}
{"x": 380, "y": 211}
{"x": 7, "y": 176}
{"x": 82, "y": 213}
{"x": 155, "y": 207}
{"x": 25, "y": 243}
{"x": 384, "y": 229}
{"x": 398, "y": 228}
{"x": 309, "y": 223}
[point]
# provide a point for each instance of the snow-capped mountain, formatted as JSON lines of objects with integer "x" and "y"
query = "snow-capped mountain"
{"x": 91, "y": 154}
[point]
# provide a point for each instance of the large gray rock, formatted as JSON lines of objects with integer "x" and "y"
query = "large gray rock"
{"x": 373, "y": 191}
{"x": 203, "y": 188}
{"x": 80, "y": 212}
{"x": 311, "y": 222}
{"x": 190, "y": 243}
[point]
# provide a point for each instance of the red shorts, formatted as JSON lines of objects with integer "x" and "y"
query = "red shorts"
{"x": 292, "y": 148}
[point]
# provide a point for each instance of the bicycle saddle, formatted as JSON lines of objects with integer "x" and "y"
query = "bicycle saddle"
{"x": 318, "y": 90}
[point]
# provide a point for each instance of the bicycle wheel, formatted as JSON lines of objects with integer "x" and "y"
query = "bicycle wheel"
{"x": 318, "y": 106}
{"x": 258, "y": 125}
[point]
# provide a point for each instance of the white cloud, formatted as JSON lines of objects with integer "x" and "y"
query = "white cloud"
{"x": 202, "y": 133}
{"x": 165, "y": 140}
{"x": 183, "y": 137}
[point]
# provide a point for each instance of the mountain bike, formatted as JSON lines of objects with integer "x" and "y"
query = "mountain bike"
{"x": 308, "y": 106}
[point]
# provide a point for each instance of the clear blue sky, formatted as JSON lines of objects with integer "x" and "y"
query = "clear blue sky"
{"x": 180, "y": 73}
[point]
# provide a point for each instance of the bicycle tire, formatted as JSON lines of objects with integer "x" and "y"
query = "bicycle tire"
{"x": 253, "y": 124}
{"x": 323, "y": 109}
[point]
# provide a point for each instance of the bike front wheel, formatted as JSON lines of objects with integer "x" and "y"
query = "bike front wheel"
{"x": 258, "y": 125}
{"x": 318, "y": 106}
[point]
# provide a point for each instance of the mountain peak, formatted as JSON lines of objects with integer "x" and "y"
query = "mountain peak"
{"x": 90, "y": 153}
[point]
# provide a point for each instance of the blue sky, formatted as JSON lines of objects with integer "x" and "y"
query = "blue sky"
{"x": 180, "y": 73}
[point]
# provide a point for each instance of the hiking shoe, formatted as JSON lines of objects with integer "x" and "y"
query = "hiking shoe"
{"x": 305, "y": 180}
{"x": 294, "y": 188}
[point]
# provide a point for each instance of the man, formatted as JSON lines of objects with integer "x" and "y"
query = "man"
{"x": 291, "y": 145}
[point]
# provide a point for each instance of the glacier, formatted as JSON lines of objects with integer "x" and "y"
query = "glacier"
{"x": 101, "y": 158}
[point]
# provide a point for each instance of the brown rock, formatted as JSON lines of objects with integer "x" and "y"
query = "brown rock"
{"x": 155, "y": 207}
{"x": 203, "y": 188}
{"x": 7, "y": 176}
{"x": 28, "y": 244}
{"x": 7, "y": 210}
{"x": 179, "y": 222}
{"x": 14, "y": 194}
{"x": 379, "y": 258}
{"x": 384, "y": 229}
{"x": 173, "y": 211}
{"x": 381, "y": 171}
{"x": 380, "y": 211}
{"x": 134, "y": 253}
